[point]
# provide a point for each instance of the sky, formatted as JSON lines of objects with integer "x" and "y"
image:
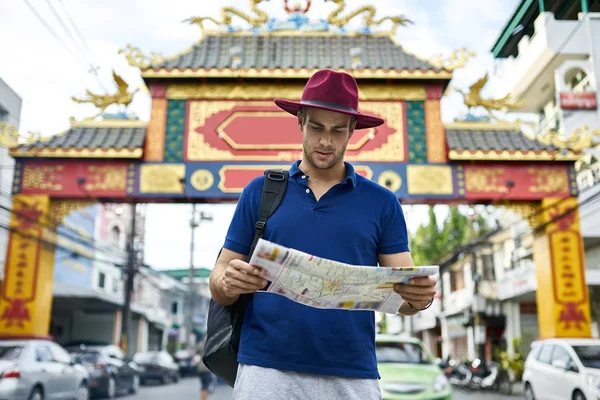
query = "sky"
{"x": 46, "y": 68}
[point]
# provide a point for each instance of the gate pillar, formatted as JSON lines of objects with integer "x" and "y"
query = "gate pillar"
{"x": 562, "y": 293}
{"x": 26, "y": 295}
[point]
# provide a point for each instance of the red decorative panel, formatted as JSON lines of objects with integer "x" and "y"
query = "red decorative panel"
{"x": 515, "y": 182}
{"x": 74, "y": 178}
{"x": 233, "y": 178}
{"x": 260, "y": 131}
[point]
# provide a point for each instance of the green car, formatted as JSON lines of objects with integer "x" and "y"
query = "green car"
{"x": 409, "y": 371}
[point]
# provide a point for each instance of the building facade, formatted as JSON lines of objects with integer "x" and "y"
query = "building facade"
{"x": 10, "y": 116}
{"x": 549, "y": 57}
{"x": 92, "y": 251}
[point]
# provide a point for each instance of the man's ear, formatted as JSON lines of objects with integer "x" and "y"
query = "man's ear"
{"x": 300, "y": 124}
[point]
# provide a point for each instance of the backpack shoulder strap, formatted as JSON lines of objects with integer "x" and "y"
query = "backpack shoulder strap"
{"x": 274, "y": 188}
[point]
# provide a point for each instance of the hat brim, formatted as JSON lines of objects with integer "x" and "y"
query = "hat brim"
{"x": 363, "y": 121}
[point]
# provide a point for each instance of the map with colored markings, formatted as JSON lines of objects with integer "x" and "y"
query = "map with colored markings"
{"x": 323, "y": 283}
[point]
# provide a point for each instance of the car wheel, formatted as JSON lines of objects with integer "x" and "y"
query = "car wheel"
{"x": 83, "y": 393}
{"x": 578, "y": 395}
{"x": 111, "y": 390}
{"x": 164, "y": 379}
{"x": 36, "y": 394}
{"x": 529, "y": 392}
{"x": 135, "y": 385}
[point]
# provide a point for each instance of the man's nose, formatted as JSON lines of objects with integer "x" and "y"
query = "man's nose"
{"x": 325, "y": 138}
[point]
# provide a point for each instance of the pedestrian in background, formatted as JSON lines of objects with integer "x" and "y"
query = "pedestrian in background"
{"x": 207, "y": 378}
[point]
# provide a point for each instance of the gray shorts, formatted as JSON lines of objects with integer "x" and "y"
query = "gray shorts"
{"x": 254, "y": 382}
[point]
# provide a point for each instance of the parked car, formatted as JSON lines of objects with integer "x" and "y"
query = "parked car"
{"x": 111, "y": 373}
{"x": 40, "y": 370}
{"x": 157, "y": 365}
{"x": 408, "y": 370}
{"x": 563, "y": 369}
{"x": 187, "y": 361}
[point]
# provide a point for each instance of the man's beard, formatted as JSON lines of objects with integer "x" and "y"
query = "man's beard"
{"x": 310, "y": 157}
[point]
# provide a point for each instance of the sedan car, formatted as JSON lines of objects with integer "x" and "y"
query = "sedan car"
{"x": 563, "y": 369}
{"x": 409, "y": 371}
{"x": 157, "y": 365}
{"x": 111, "y": 373}
{"x": 40, "y": 369}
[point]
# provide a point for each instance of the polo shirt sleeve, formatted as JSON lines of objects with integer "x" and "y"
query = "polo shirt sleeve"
{"x": 394, "y": 234}
{"x": 241, "y": 230}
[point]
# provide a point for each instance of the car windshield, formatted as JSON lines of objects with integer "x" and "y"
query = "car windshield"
{"x": 401, "y": 352}
{"x": 589, "y": 355}
{"x": 145, "y": 358}
{"x": 10, "y": 353}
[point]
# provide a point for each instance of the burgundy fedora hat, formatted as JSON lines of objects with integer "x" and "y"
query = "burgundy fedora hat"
{"x": 333, "y": 91}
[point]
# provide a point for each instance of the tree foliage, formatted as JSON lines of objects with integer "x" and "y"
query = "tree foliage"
{"x": 431, "y": 243}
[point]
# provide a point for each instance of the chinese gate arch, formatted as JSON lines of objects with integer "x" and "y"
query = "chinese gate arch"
{"x": 214, "y": 127}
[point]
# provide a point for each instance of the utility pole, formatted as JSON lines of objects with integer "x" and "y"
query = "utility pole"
{"x": 191, "y": 274}
{"x": 130, "y": 271}
{"x": 194, "y": 223}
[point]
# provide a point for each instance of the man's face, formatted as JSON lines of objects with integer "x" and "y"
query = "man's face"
{"x": 325, "y": 136}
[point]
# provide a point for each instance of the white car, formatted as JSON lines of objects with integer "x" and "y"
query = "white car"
{"x": 563, "y": 369}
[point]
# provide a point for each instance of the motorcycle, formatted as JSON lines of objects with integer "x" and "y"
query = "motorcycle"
{"x": 458, "y": 374}
{"x": 490, "y": 377}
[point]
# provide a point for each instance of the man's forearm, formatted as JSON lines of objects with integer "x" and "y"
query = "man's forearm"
{"x": 216, "y": 286}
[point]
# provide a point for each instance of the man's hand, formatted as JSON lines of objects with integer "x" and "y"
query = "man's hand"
{"x": 418, "y": 291}
{"x": 241, "y": 278}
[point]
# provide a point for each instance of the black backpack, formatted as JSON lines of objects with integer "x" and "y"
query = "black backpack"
{"x": 224, "y": 324}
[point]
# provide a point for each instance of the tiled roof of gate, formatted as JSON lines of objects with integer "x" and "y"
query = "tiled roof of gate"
{"x": 498, "y": 141}
{"x": 281, "y": 55}
{"x": 102, "y": 139}
{"x": 260, "y": 51}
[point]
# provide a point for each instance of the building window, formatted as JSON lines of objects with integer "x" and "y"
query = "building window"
{"x": 457, "y": 280}
{"x": 101, "y": 280}
{"x": 115, "y": 285}
{"x": 487, "y": 264}
{"x": 174, "y": 307}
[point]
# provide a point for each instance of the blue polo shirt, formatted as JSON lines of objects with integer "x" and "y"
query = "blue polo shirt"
{"x": 353, "y": 222}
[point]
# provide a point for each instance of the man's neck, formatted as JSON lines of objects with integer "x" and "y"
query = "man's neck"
{"x": 334, "y": 174}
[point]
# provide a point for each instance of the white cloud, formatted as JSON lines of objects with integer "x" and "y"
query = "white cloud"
{"x": 39, "y": 68}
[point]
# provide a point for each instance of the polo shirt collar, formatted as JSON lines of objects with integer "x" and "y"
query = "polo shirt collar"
{"x": 350, "y": 174}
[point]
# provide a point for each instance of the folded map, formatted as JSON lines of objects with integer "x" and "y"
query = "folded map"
{"x": 323, "y": 283}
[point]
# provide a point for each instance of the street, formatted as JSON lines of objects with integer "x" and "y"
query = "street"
{"x": 188, "y": 389}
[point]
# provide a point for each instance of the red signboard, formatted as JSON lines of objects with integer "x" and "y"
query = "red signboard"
{"x": 578, "y": 101}
{"x": 235, "y": 178}
{"x": 81, "y": 178}
{"x": 515, "y": 182}
{"x": 260, "y": 131}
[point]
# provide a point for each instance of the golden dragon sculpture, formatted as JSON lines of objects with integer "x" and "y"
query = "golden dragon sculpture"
{"x": 473, "y": 99}
{"x": 122, "y": 96}
{"x": 579, "y": 139}
{"x": 11, "y": 138}
{"x": 456, "y": 60}
{"x": 227, "y": 14}
{"x": 136, "y": 58}
{"x": 369, "y": 19}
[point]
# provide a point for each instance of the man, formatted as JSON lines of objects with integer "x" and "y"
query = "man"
{"x": 289, "y": 350}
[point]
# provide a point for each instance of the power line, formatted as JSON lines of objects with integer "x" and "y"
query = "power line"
{"x": 49, "y": 28}
{"x": 89, "y": 56}
{"x": 55, "y": 35}
{"x": 75, "y": 28}
{"x": 109, "y": 250}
